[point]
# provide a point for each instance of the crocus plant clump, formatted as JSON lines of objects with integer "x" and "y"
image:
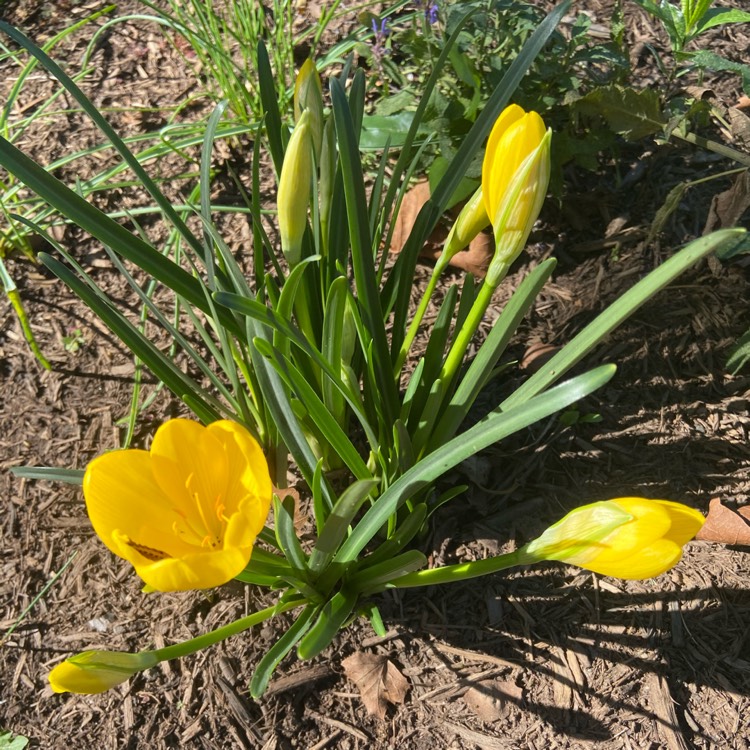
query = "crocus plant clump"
{"x": 187, "y": 513}
{"x": 308, "y": 355}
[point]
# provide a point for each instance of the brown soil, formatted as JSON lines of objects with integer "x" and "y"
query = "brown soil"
{"x": 550, "y": 657}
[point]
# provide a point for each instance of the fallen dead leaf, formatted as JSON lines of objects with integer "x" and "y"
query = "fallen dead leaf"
{"x": 727, "y": 208}
{"x": 490, "y": 700}
{"x": 475, "y": 259}
{"x": 378, "y": 680}
{"x": 411, "y": 205}
{"x": 300, "y": 518}
{"x": 725, "y": 526}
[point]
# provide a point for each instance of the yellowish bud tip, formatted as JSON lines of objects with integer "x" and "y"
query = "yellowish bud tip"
{"x": 308, "y": 97}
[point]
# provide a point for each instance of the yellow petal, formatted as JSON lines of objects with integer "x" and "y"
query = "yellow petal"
{"x": 122, "y": 495}
{"x": 630, "y": 537}
{"x": 185, "y": 515}
{"x": 515, "y": 135}
{"x": 651, "y": 560}
{"x": 248, "y": 470}
{"x": 201, "y": 570}
{"x": 686, "y": 522}
{"x": 184, "y": 449}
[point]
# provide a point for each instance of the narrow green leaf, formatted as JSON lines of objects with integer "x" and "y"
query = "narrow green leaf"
{"x": 333, "y": 615}
{"x": 106, "y": 230}
{"x": 494, "y": 428}
{"x": 274, "y": 128}
{"x": 337, "y": 524}
{"x": 319, "y": 414}
{"x": 361, "y": 251}
{"x": 177, "y": 382}
{"x": 49, "y": 474}
{"x": 406, "y": 530}
{"x": 286, "y": 534}
{"x": 279, "y": 650}
{"x": 480, "y": 370}
{"x": 375, "y": 577}
{"x": 617, "y": 312}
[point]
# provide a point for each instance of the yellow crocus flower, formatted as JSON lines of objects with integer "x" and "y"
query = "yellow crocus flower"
{"x": 186, "y": 513}
{"x": 515, "y": 175}
{"x": 96, "y": 671}
{"x": 629, "y": 537}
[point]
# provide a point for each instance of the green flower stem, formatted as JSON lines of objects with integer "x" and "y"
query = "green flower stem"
{"x": 411, "y": 334}
{"x": 464, "y": 571}
{"x": 463, "y": 337}
{"x": 220, "y": 634}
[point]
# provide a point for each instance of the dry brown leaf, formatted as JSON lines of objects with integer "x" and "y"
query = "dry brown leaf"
{"x": 300, "y": 518}
{"x": 475, "y": 259}
{"x": 744, "y": 511}
{"x": 743, "y": 101}
{"x": 739, "y": 124}
{"x": 490, "y": 700}
{"x": 727, "y": 208}
{"x": 723, "y": 525}
{"x": 411, "y": 205}
{"x": 378, "y": 680}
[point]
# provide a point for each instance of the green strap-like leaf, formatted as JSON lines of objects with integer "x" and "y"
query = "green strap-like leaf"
{"x": 361, "y": 249}
{"x": 617, "y": 312}
{"x": 333, "y": 615}
{"x": 494, "y": 428}
{"x": 482, "y": 366}
{"x": 279, "y": 650}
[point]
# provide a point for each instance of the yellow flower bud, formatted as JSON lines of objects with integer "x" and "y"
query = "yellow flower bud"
{"x": 294, "y": 189}
{"x": 470, "y": 222}
{"x": 629, "y": 537}
{"x": 96, "y": 671}
{"x": 308, "y": 97}
{"x": 515, "y": 175}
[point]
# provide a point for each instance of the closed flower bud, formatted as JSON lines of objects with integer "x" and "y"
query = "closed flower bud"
{"x": 470, "y": 222}
{"x": 294, "y": 189}
{"x": 96, "y": 671}
{"x": 629, "y": 537}
{"x": 515, "y": 175}
{"x": 308, "y": 97}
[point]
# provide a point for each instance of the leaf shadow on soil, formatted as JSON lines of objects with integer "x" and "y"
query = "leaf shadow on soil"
{"x": 624, "y": 633}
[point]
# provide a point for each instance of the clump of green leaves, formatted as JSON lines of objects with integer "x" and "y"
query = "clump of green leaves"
{"x": 684, "y": 23}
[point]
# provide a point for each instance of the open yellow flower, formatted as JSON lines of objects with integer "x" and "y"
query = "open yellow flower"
{"x": 515, "y": 175}
{"x": 630, "y": 537}
{"x": 186, "y": 513}
{"x": 96, "y": 671}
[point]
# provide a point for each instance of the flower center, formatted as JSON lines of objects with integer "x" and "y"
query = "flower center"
{"x": 204, "y": 522}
